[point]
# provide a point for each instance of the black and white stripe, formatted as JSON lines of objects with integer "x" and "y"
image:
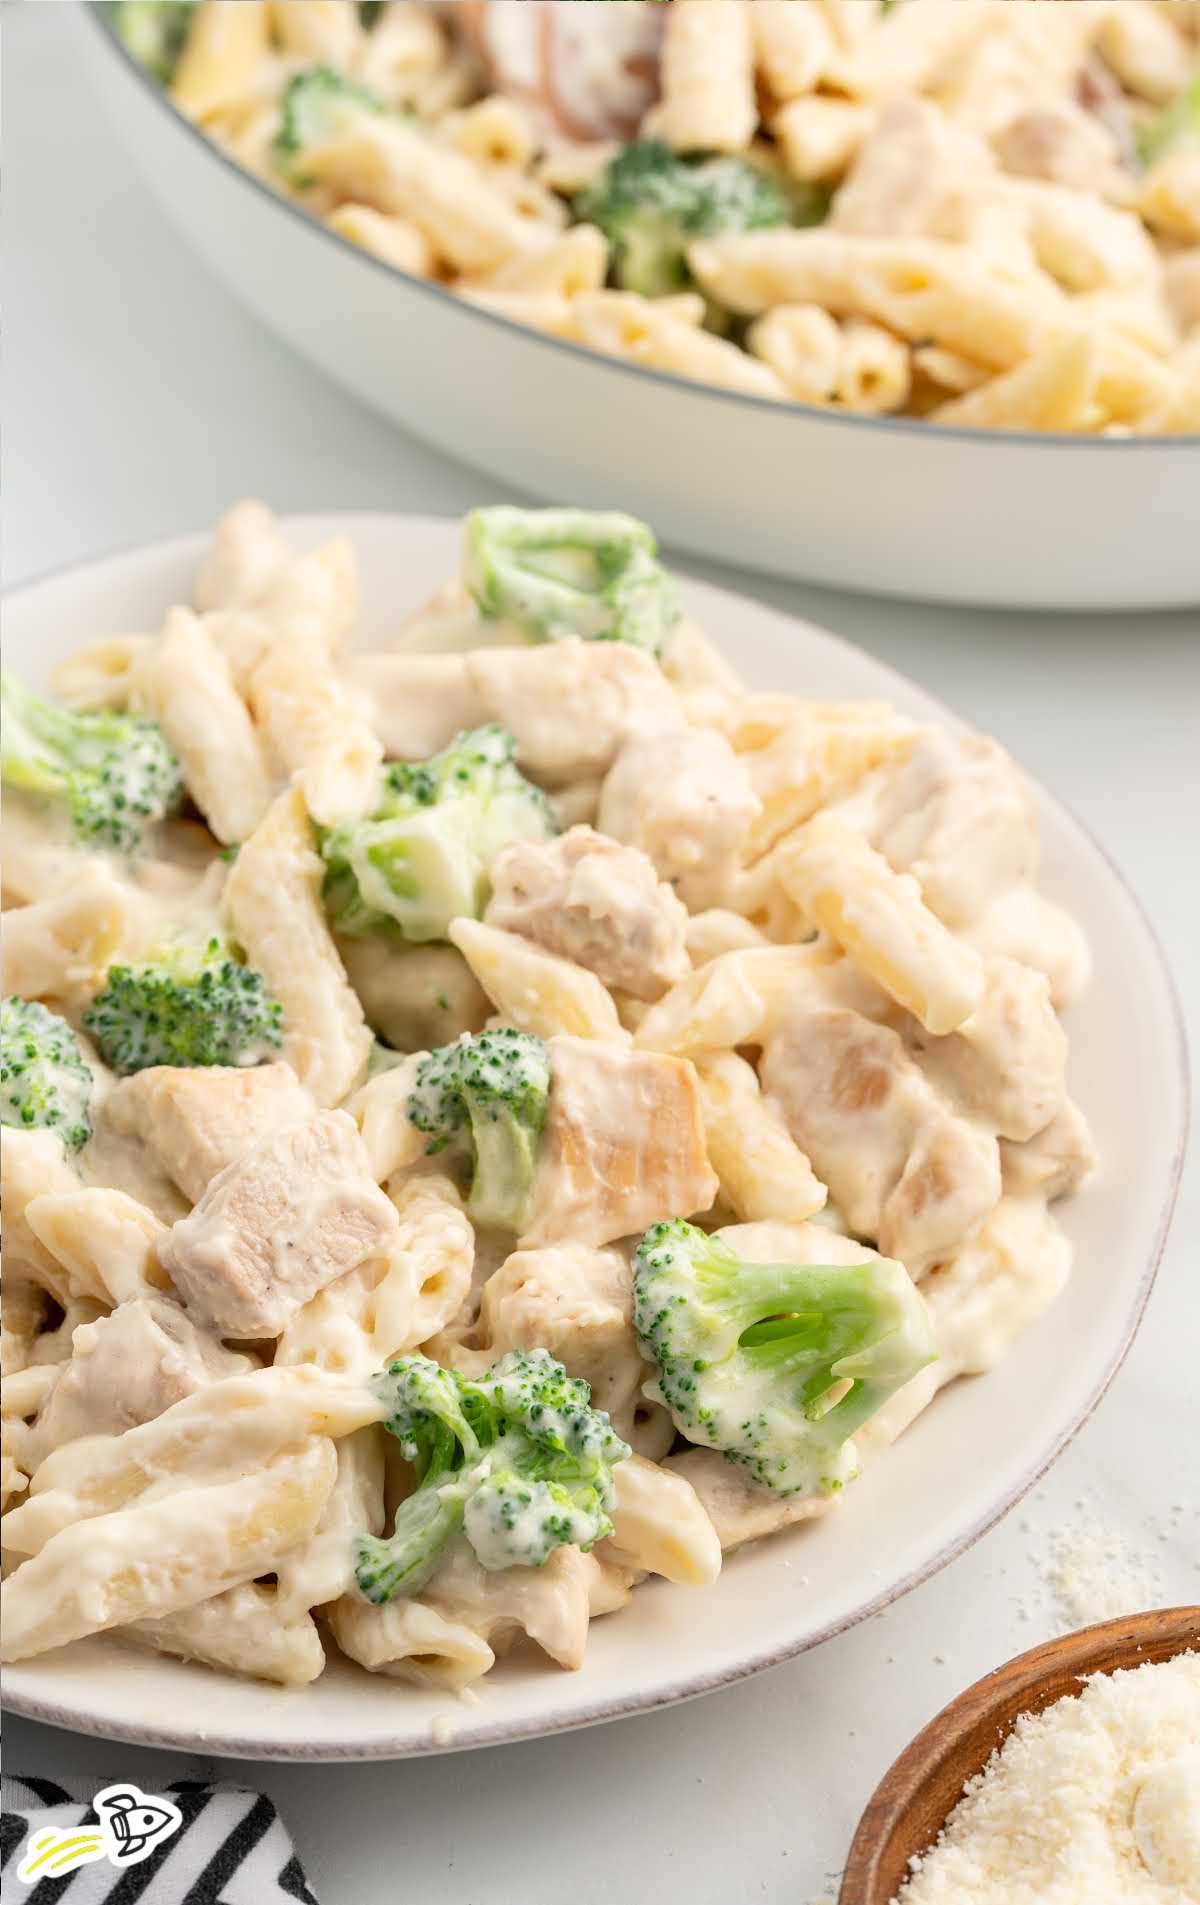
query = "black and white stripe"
{"x": 232, "y": 1849}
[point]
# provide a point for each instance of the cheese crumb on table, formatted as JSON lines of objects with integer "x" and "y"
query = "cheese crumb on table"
{"x": 1095, "y": 1801}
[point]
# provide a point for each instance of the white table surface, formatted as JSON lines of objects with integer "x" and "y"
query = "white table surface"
{"x": 139, "y": 401}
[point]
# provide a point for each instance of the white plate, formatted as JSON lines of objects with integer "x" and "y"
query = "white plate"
{"x": 889, "y": 506}
{"x": 966, "y": 1461}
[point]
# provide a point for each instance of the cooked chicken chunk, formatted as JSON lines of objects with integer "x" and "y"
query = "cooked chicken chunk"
{"x": 738, "y": 1509}
{"x": 686, "y": 800}
{"x": 1024, "y": 925}
{"x": 128, "y": 1367}
{"x": 624, "y": 1144}
{"x": 577, "y": 1302}
{"x": 900, "y": 1164}
{"x": 1065, "y": 144}
{"x": 1054, "y": 1163}
{"x": 915, "y": 175}
{"x": 279, "y": 1224}
{"x": 1005, "y": 1065}
{"x": 602, "y": 905}
{"x": 198, "y": 1119}
{"x": 956, "y": 814}
{"x": 570, "y": 705}
{"x": 587, "y": 72}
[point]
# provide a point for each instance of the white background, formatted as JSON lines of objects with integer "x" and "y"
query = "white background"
{"x": 139, "y": 401}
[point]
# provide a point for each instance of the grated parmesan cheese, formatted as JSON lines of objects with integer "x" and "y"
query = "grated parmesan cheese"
{"x": 1095, "y": 1801}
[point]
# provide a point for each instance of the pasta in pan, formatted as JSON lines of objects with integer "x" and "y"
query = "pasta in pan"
{"x": 427, "y": 1217}
{"x": 979, "y": 212}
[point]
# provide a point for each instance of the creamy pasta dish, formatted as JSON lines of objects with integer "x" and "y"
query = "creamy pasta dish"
{"x": 495, "y": 1118}
{"x": 980, "y": 212}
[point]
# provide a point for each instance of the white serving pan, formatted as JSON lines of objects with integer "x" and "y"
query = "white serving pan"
{"x": 882, "y": 505}
{"x": 965, "y": 1462}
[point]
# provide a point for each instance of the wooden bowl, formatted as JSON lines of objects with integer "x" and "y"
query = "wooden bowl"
{"x": 913, "y": 1800}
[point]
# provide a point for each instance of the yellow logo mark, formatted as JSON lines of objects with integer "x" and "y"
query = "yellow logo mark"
{"x": 132, "y": 1824}
{"x": 59, "y": 1849}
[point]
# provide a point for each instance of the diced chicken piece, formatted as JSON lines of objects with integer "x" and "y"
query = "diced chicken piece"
{"x": 589, "y": 71}
{"x": 686, "y": 800}
{"x": 593, "y": 901}
{"x": 1054, "y": 1163}
{"x": 1025, "y": 926}
{"x": 1066, "y": 145}
{"x": 900, "y": 1164}
{"x": 996, "y": 1285}
{"x": 624, "y": 1144}
{"x": 196, "y": 1120}
{"x": 128, "y": 1367}
{"x": 414, "y": 997}
{"x": 1006, "y": 1064}
{"x": 739, "y": 1510}
{"x": 957, "y": 814}
{"x": 415, "y": 703}
{"x": 279, "y": 1224}
{"x": 577, "y": 1302}
{"x": 571, "y": 706}
{"x": 914, "y": 175}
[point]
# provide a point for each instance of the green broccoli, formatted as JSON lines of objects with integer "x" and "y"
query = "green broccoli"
{"x": 651, "y": 203}
{"x": 192, "y": 1003}
{"x": 45, "y": 1083}
{"x": 775, "y": 1364}
{"x": 318, "y": 105}
{"x": 113, "y": 774}
{"x": 556, "y": 573}
{"x": 484, "y": 1100}
{"x": 517, "y": 1462}
{"x": 155, "y": 32}
{"x": 422, "y": 858}
{"x": 1178, "y": 124}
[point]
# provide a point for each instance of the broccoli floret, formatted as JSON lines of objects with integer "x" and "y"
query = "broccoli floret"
{"x": 651, "y": 203}
{"x": 45, "y": 1083}
{"x": 1178, "y": 124}
{"x": 422, "y": 858}
{"x": 775, "y": 1364}
{"x": 155, "y": 32}
{"x": 192, "y": 1003}
{"x": 556, "y": 573}
{"x": 113, "y": 774}
{"x": 517, "y": 1462}
{"x": 318, "y": 105}
{"x": 484, "y": 1100}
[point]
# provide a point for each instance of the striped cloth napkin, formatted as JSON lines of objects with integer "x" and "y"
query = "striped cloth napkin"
{"x": 184, "y": 1844}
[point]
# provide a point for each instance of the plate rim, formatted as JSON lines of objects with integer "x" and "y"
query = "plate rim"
{"x": 915, "y": 427}
{"x": 473, "y": 1734}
